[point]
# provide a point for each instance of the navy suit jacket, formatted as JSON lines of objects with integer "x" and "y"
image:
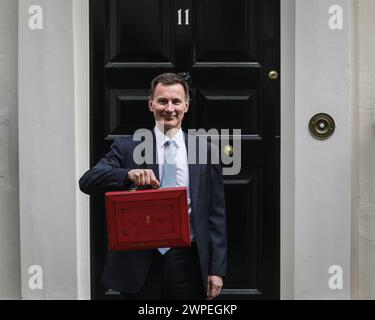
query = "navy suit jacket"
{"x": 126, "y": 271}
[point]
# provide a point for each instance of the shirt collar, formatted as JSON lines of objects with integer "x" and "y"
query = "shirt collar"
{"x": 161, "y": 138}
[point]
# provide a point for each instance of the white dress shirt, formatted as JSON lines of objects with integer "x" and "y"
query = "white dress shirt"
{"x": 182, "y": 166}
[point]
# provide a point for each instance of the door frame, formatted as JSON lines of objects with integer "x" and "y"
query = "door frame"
{"x": 82, "y": 136}
{"x": 81, "y": 35}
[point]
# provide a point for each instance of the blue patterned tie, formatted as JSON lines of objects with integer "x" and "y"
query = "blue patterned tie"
{"x": 169, "y": 171}
{"x": 169, "y": 166}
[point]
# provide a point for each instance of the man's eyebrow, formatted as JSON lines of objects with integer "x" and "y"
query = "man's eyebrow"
{"x": 175, "y": 98}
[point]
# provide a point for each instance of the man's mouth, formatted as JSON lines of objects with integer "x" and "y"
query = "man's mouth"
{"x": 168, "y": 117}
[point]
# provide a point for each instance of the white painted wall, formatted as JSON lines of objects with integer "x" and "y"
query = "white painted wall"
{"x": 9, "y": 212}
{"x": 367, "y": 149}
{"x": 322, "y": 168}
{"x": 47, "y": 164}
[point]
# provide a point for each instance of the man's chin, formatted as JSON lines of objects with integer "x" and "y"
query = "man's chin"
{"x": 168, "y": 125}
{"x": 165, "y": 125}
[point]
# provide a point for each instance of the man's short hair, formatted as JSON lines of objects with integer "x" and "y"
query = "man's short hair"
{"x": 168, "y": 79}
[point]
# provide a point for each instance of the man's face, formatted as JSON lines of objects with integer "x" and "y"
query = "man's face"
{"x": 169, "y": 105}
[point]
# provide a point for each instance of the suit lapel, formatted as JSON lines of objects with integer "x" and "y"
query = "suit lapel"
{"x": 194, "y": 171}
{"x": 154, "y": 166}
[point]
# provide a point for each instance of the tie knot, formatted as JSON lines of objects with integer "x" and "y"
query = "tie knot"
{"x": 169, "y": 143}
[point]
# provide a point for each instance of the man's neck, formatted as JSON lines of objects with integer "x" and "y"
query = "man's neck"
{"x": 169, "y": 133}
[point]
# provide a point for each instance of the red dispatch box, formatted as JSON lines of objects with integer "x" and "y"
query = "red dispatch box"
{"x": 147, "y": 219}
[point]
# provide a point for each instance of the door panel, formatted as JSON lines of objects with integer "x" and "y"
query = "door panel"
{"x": 243, "y": 253}
{"x": 226, "y": 31}
{"x": 126, "y": 111}
{"x": 227, "y": 49}
{"x": 145, "y": 39}
{"x": 232, "y": 109}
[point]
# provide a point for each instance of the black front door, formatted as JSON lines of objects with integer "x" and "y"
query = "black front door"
{"x": 226, "y": 50}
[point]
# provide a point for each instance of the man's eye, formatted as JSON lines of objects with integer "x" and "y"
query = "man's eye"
{"x": 176, "y": 101}
{"x": 162, "y": 101}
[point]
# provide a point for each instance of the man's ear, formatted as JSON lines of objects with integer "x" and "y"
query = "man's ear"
{"x": 187, "y": 105}
{"x": 150, "y": 104}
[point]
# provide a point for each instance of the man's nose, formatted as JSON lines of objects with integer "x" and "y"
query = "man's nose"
{"x": 169, "y": 106}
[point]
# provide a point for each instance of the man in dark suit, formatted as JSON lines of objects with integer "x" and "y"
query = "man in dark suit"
{"x": 196, "y": 272}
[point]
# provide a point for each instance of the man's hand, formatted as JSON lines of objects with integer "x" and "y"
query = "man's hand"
{"x": 215, "y": 283}
{"x": 143, "y": 177}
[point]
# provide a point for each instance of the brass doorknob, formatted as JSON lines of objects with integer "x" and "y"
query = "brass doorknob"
{"x": 228, "y": 150}
{"x": 273, "y": 75}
